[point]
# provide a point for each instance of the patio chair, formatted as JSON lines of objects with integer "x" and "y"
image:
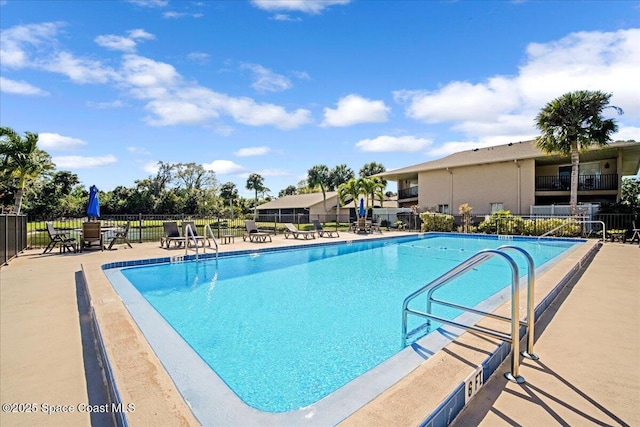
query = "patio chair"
{"x": 363, "y": 225}
{"x": 322, "y": 232}
{"x": 292, "y": 230}
{"x": 121, "y": 234}
{"x": 171, "y": 234}
{"x": 636, "y": 233}
{"x": 91, "y": 233}
{"x": 376, "y": 226}
{"x": 253, "y": 234}
{"x": 60, "y": 239}
{"x": 195, "y": 236}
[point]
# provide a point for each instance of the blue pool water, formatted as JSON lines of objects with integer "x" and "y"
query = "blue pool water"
{"x": 283, "y": 329}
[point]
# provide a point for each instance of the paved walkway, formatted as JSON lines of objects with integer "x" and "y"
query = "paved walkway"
{"x": 588, "y": 342}
{"x": 588, "y": 373}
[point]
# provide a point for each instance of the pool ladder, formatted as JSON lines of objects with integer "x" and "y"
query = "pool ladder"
{"x": 514, "y": 336}
{"x": 190, "y": 236}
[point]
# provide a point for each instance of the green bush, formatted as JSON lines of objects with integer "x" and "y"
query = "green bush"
{"x": 502, "y": 222}
{"x": 541, "y": 226}
{"x": 433, "y": 221}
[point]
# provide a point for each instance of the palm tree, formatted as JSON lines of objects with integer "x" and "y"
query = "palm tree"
{"x": 372, "y": 187}
{"x": 370, "y": 169}
{"x": 339, "y": 175}
{"x": 351, "y": 189}
{"x": 572, "y": 123}
{"x": 319, "y": 176}
{"x": 255, "y": 182}
{"x": 21, "y": 159}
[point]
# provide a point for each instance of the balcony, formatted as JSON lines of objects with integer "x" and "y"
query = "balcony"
{"x": 585, "y": 182}
{"x": 408, "y": 193}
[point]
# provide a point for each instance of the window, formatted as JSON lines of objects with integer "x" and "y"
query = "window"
{"x": 443, "y": 209}
{"x": 498, "y": 206}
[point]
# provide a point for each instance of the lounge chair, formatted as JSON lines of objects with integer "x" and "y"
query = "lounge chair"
{"x": 292, "y": 230}
{"x": 171, "y": 234}
{"x": 121, "y": 234}
{"x": 322, "y": 232}
{"x": 191, "y": 237}
{"x": 376, "y": 226}
{"x": 91, "y": 233}
{"x": 253, "y": 234}
{"x": 60, "y": 239}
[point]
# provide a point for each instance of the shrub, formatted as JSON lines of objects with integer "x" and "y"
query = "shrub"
{"x": 434, "y": 221}
{"x": 502, "y": 222}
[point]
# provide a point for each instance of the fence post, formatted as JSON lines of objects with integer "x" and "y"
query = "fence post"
{"x": 140, "y": 227}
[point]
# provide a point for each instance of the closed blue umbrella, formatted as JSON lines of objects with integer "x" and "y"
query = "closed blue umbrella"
{"x": 93, "y": 210}
{"x": 361, "y": 211}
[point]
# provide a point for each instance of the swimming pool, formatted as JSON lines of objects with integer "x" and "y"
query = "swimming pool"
{"x": 284, "y": 329}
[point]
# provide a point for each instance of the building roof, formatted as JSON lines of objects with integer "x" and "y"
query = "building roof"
{"x": 312, "y": 199}
{"x": 499, "y": 153}
{"x": 297, "y": 201}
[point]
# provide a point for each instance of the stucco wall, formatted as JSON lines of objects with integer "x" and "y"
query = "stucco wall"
{"x": 479, "y": 186}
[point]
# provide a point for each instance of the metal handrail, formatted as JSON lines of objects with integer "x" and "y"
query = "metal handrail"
{"x": 188, "y": 232}
{"x": 459, "y": 270}
{"x": 207, "y": 227}
{"x": 604, "y": 228}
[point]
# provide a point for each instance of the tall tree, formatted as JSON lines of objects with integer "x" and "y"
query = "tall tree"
{"x": 372, "y": 188}
{"x": 229, "y": 192}
{"x": 255, "y": 182}
{"x": 339, "y": 175}
{"x": 318, "y": 175}
{"x": 370, "y": 169}
{"x": 572, "y": 123}
{"x": 351, "y": 189}
{"x": 21, "y": 158}
{"x": 289, "y": 191}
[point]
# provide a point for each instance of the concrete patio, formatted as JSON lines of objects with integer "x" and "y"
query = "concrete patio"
{"x": 588, "y": 342}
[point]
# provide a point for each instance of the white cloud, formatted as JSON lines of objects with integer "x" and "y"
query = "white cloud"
{"x": 151, "y": 167}
{"x": 114, "y": 42}
{"x": 169, "y": 99}
{"x": 283, "y": 17}
{"x": 20, "y": 88}
{"x": 106, "y": 105}
{"x": 252, "y": 151}
{"x": 55, "y": 141}
{"x": 224, "y": 167}
{"x": 15, "y": 41}
{"x": 385, "y": 143}
{"x": 504, "y": 107}
{"x": 150, "y": 3}
{"x": 79, "y": 70}
{"x": 138, "y": 150}
{"x": 306, "y": 6}
{"x": 124, "y": 44}
{"x": 625, "y": 133}
{"x": 273, "y": 172}
{"x": 354, "y": 109}
{"x": 178, "y": 15}
{"x": 198, "y": 57}
{"x": 82, "y": 162}
{"x": 266, "y": 80}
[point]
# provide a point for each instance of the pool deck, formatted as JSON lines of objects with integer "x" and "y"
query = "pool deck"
{"x": 588, "y": 342}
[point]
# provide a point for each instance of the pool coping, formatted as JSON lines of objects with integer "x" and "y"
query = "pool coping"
{"x": 309, "y": 415}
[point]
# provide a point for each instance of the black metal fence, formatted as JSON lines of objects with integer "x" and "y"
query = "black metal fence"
{"x": 148, "y": 228}
{"x": 13, "y": 236}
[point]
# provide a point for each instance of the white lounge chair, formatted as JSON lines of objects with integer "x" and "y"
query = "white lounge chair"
{"x": 253, "y": 234}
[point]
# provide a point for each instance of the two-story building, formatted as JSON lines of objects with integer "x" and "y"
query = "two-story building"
{"x": 515, "y": 177}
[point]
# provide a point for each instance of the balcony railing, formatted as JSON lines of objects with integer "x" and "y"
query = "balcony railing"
{"x": 585, "y": 182}
{"x": 408, "y": 193}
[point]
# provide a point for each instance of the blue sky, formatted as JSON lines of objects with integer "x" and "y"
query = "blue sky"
{"x": 275, "y": 87}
